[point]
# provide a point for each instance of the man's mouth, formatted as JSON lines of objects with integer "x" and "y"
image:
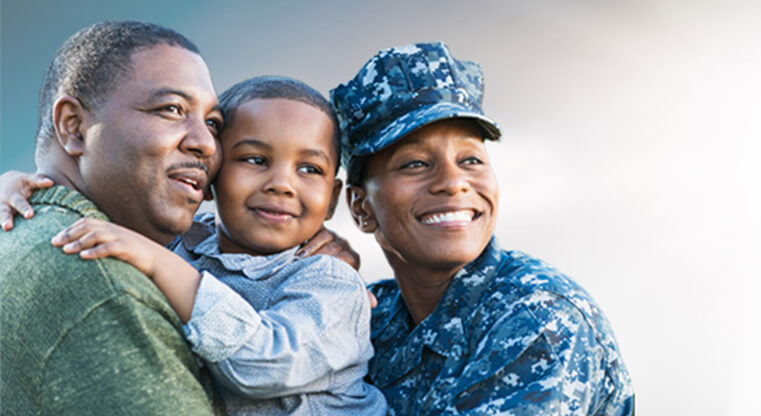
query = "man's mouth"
{"x": 192, "y": 181}
{"x": 450, "y": 218}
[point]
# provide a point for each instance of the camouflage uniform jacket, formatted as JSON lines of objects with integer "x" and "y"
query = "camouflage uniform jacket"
{"x": 511, "y": 335}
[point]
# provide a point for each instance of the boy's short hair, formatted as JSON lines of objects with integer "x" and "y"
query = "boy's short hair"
{"x": 90, "y": 64}
{"x": 271, "y": 87}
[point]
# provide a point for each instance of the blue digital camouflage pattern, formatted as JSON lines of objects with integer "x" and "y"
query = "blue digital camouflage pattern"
{"x": 510, "y": 336}
{"x": 401, "y": 89}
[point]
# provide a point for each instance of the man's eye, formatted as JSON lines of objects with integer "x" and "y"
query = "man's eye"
{"x": 172, "y": 108}
{"x": 310, "y": 169}
{"x": 214, "y": 126}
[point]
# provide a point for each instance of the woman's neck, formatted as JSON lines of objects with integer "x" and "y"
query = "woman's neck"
{"x": 421, "y": 287}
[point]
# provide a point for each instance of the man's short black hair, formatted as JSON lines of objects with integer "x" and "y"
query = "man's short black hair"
{"x": 271, "y": 87}
{"x": 90, "y": 64}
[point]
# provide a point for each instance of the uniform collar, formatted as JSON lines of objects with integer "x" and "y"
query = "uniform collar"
{"x": 443, "y": 331}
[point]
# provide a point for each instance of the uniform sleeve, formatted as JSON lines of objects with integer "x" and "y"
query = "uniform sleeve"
{"x": 123, "y": 358}
{"x": 312, "y": 328}
{"x": 530, "y": 365}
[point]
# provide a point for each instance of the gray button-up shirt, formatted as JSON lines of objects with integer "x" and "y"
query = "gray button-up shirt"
{"x": 283, "y": 335}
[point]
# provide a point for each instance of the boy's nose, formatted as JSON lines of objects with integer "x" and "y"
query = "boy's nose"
{"x": 280, "y": 182}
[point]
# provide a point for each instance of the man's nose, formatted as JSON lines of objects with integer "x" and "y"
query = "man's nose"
{"x": 199, "y": 140}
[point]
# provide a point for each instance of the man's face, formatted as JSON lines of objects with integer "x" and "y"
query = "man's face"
{"x": 151, "y": 148}
{"x": 434, "y": 196}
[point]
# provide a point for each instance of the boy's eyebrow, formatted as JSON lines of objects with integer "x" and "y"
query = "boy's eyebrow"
{"x": 318, "y": 153}
{"x": 252, "y": 142}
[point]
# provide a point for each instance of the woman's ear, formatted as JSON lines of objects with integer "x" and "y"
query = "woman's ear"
{"x": 360, "y": 209}
{"x": 335, "y": 194}
{"x": 68, "y": 121}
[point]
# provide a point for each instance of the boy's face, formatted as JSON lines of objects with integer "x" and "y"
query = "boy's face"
{"x": 432, "y": 196}
{"x": 277, "y": 182}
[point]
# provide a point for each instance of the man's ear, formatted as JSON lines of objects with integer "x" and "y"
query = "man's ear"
{"x": 68, "y": 120}
{"x": 361, "y": 211}
{"x": 334, "y": 195}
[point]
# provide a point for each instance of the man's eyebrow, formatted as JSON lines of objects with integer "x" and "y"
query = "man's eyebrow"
{"x": 171, "y": 91}
{"x": 252, "y": 142}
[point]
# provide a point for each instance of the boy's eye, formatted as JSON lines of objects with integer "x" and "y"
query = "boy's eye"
{"x": 255, "y": 160}
{"x": 413, "y": 164}
{"x": 310, "y": 169}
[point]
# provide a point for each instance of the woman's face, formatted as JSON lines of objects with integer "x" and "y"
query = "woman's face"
{"x": 431, "y": 198}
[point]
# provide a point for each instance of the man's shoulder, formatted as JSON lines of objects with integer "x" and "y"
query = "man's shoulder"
{"x": 33, "y": 269}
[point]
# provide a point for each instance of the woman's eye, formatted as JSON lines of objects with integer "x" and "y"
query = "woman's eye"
{"x": 413, "y": 164}
{"x": 311, "y": 170}
{"x": 472, "y": 160}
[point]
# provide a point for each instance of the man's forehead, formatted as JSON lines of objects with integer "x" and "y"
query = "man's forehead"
{"x": 166, "y": 69}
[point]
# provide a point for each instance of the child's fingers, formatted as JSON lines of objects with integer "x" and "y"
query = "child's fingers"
{"x": 6, "y": 217}
{"x": 21, "y": 205}
{"x": 90, "y": 238}
{"x": 110, "y": 249}
{"x": 41, "y": 181}
{"x": 75, "y": 231}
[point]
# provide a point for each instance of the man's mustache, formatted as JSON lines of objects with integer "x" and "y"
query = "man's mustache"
{"x": 193, "y": 165}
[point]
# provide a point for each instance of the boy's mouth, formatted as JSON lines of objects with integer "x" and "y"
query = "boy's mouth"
{"x": 274, "y": 214}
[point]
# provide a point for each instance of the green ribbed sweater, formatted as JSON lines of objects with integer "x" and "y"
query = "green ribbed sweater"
{"x": 87, "y": 337}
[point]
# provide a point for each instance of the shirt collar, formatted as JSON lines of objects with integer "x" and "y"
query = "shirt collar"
{"x": 202, "y": 241}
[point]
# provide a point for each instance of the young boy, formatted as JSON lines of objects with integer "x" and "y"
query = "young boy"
{"x": 281, "y": 334}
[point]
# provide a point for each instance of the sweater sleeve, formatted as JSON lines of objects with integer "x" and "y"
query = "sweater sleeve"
{"x": 135, "y": 362}
{"x": 316, "y": 323}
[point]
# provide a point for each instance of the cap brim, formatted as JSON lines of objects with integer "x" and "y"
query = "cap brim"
{"x": 421, "y": 117}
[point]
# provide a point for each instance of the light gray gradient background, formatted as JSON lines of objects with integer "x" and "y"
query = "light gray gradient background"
{"x": 629, "y": 159}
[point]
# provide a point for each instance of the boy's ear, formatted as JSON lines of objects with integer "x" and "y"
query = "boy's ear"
{"x": 361, "y": 211}
{"x": 334, "y": 195}
{"x": 69, "y": 122}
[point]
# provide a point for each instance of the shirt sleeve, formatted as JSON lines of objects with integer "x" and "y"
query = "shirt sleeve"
{"x": 135, "y": 362}
{"x": 313, "y": 327}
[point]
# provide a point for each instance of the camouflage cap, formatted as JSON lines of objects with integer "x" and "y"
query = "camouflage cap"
{"x": 404, "y": 88}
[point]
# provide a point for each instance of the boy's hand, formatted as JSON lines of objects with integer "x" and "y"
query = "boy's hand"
{"x": 15, "y": 189}
{"x": 329, "y": 243}
{"x": 95, "y": 239}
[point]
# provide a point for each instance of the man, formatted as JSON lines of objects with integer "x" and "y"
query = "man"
{"x": 127, "y": 124}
